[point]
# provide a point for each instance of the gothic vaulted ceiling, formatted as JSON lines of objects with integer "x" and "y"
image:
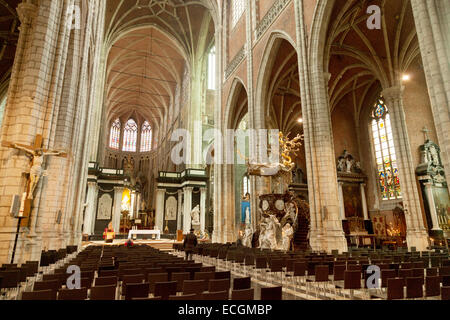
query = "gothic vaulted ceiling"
{"x": 9, "y": 34}
{"x": 362, "y": 61}
{"x": 152, "y": 43}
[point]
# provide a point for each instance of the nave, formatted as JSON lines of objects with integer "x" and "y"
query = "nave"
{"x": 227, "y": 272}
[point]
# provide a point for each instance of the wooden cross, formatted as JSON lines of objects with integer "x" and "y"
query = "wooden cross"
{"x": 36, "y": 171}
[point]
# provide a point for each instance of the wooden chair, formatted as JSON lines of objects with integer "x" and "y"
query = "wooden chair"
{"x": 103, "y": 293}
{"x": 165, "y": 289}
{"x": 205, "y": 276}
{"x": 208, "y": 269}
{"x": 395, "y": 289}
{"x": 39, "y": 295}
{"x": 432, "y": 286}
{"x": 414, "y": 288}
{"x": 136, "y": 290}
{"x": 180, "y": 277}
{"x": 275, "y": 293}
{"x": 216, "y": 296}
{"x": 108, "y": 273}
{"x": 445, "y": 293}
{"x": 242, "y": 283}
{"x": 86, "y": 283}
{"x": 386, "y": 275}
{"x": 432, "y": 272}
{"x": 219, "y": 285}
{"x": 222, "y": 275}
{"x": 75, "y": 294}
{"x": 47, "y": 285}
{"x": 243, "y": 295}
{"x": 352, "y": 281}
{"x": 156, "y": 277}
{"x": 193, "y": 286}
{"x": 106, "y": 281}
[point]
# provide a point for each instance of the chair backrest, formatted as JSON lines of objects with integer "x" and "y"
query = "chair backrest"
{"x": 165, "y": 289}
{"x": 39, "y": 295}
{"x": 135, "y": 278}
{"x": 432, "y": 286}
{"x": 445, "y": 293}
{"x": 242, "y": 283}
{"x": 204, "y": 275}
{"x": 352, "y": 279}
{"x": 243, "y": 295}
{"x": 222, "y": 275}
{"x": 300, "y": 269}
{"x": 276, "y": 265}
{"x": 106, "y": 281}
{"x": 103, "y": 293}
{"x": 10, "y": 278}
{"x": 260, "y": 262}
{"x": 405, "y": 273}
{"x": 219, "y": 285}
{"x": 414, "y": 287}
{"x": 216, "y": 296}
{"x": 193, "y": 286}
{"x": 46, "y": 285}
{"x": 432, "y": 272}
{"x": 395, "y": 289}
{"x": 136, "y": 290}
{"x": 418, "y": 272}
{"x": 444, "y": 271}
{"x": 180, "y": 277}
{"x": 76, "y": 294}
{"x": 385, "y": 275}
{"x": 108, "y": 273}
{"x": 321, "y": 273}
{"x": 275, "y": 293}
{"x": 156, "y": 277}
{"x": 208, "y": 269}
{"x": 338, "y": 272}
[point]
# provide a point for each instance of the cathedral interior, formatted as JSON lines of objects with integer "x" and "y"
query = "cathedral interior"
{"x": 301, "y": 133}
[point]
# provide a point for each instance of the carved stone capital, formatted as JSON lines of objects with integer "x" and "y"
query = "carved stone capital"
{"x": 393, "y": 93}
{"x": 27, "y": 12}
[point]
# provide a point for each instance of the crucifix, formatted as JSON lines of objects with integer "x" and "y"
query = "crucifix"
{"x": 38, "y": 155}
{"x": 426, "y": 131}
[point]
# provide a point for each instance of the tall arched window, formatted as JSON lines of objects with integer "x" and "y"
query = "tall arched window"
{"x": 114, "y": 137}
{"x": 237, "y": 9}
{"x": 146, "y": 137}
{"x": 212, "y": 69}
{"x": 245, "y": 186}
{"x": 130, "y": 136}
{"x": 385, "y": 155}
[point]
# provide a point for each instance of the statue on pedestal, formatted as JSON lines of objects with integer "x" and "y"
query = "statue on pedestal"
{"x": 248, "y": 236}
{"x": 288, "y": 234}
{"x": 195, "y": 216}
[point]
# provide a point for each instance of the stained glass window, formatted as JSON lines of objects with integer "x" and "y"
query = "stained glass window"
{"x": 130, "y": 136}
{"x": 237, "y": 9}
{"x": 114, "y": 139}
{"x": 385, "y": 155}
{"x": 146, "y": 137}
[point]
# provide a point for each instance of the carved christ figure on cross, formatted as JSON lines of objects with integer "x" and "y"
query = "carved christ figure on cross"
{"x": 38, "y": 156}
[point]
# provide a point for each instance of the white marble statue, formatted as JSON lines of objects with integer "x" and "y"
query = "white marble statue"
{"x": 248, "y": 235}
{"x": 288, "y": 234}
{"x": 247, "y": 216}
{"x": 195, "y": 215}
{"x": 271, "y": 233}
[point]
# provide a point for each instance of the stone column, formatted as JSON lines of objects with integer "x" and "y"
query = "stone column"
{"x": 187, "y": 209}
{"x": 91, "y": 209}
{"x": 432, "y": 206}
{"x": 432, "y": 19}
{"x": 118, "y": 193}
{"x": 416, "y": 235}
{"x": 180, "y": 210}
{"x": 202, "y": 209}
{"x": 341, "y": 201}
{"x": 159, "y": 214}
{"x": 364, "y": 201}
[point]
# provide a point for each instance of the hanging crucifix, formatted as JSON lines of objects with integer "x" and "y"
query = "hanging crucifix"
{"x": 37, "y": 154}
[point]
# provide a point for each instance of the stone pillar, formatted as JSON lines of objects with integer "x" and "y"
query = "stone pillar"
{"x": 432, "y": 206}
{"x": 364, "y": 201}
{"x": 431, "y": 18}
{"x": 159, "y": 214}
{"x": 91, "y": 209}
{"x": 180, "y": 210}
{"x": 416, "y": 235}
{"x": 187, "y": 209}
{"x": 202, "y": 209}
{"x": 341, "y": 202}
{"x": 117, "y": 206}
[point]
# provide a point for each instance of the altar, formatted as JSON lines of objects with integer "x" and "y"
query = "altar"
{"x": 131, "y": 233}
